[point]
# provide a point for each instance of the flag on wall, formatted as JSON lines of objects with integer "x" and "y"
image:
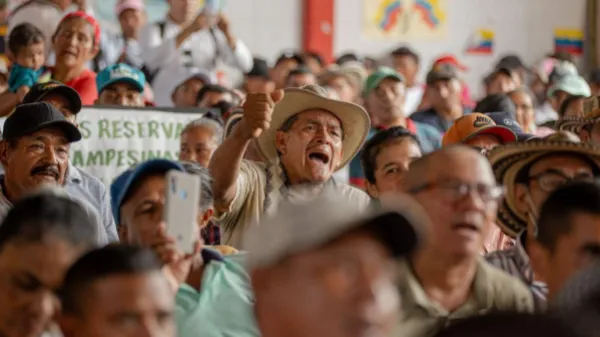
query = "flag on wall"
{"x": 481, "y": 43}
{"x": 568, "y": 40}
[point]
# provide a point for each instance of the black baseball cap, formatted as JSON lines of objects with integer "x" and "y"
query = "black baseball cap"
{"x": 506, "y": 119}
{"x": 260, "y": 68}
{"x": 41, "y": 90}
{"x": 442, "y": 72}
{"x": 512, "y": 62}
{"x": 31, "y": 117}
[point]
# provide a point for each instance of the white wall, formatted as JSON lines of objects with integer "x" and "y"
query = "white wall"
{"x": 524, "y": 27}
{"x": 267, "y": 26}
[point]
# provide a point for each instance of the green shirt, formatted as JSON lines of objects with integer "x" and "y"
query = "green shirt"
{"x": 223, "y": 306}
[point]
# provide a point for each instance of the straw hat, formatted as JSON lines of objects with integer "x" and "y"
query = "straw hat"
{"x": 355, "y": 120}
{"x": 591, "y": 116}
{"x": 354, "y": 71}
{"x": 508, "y": 160}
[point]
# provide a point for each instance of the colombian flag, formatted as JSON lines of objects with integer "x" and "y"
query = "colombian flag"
{"x": 389, "y": 12}
{"x": 483, "y": 43}
{"x": 568, "y": 40}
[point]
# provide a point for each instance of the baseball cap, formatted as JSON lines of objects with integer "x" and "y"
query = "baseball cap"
{"x": 122, "y": 184}
{"x": 476, "y": 124}
{"x": 182, "y": 74}
{"x": 40, "y": 90}
{"x": 513, "y": 62}
{"x": 560, "y": 70}
{"x": 506, "y": 119}
{"x": 260, "y": 68}
{"x": 124, "y": 5}
{"x": 451, "y": 60}
{"x": 31, "y": 117}
{"x": 574, "y": 85}
{"x": 301, "y": 226}
{"x": 120, "y": 73}
{"x": 378, "y": 76}
{"x": 441, "y": 72}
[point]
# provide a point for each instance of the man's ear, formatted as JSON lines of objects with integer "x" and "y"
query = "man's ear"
{"x": 281, "y": 142}
{"x": 95, "y": 50}
{"x": 123, "y": 232}
{"x": 372, "y": 190}
{"x": 521, "y": 191}
{"x": 204, "y": 218}
{"x": 4, "y": 153}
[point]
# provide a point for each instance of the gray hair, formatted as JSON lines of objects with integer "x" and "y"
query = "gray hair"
{"x": 206, "y": 181}
{"x": 524, "y": 89}
{"x": 208, "y": 123}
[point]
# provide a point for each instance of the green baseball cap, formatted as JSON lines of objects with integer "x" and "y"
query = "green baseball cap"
{"x": 379, "y": 75}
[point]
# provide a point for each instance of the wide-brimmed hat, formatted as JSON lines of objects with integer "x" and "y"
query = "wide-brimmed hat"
{"x": 509, "y": 160}
{"x": 355, "y": 120}
{"x": 591, "y": 115}
{"x": 354, "y": 71}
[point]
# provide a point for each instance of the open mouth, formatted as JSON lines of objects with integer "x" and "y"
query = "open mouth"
{"x": 466, "y": 227}
{"x": 319, "y": 157}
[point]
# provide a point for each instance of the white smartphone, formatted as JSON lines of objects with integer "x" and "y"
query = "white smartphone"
{"x": 211, "y": 9}
{"x": 181, "y": 213}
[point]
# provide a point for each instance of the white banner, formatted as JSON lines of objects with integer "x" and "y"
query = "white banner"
{"x": 116, "y": 139}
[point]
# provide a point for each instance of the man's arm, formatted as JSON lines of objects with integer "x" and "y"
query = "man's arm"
{"x": 226, "y": 161}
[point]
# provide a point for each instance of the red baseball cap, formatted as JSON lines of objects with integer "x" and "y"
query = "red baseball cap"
{"x": 450, "y": 59}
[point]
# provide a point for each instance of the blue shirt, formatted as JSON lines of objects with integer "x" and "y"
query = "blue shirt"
{"x": 431, "y": 117}
{"x": 82, "y": 185}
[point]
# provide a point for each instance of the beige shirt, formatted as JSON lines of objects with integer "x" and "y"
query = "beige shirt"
{"x": 260, "y": 187}
{"x": 493, "y": 290}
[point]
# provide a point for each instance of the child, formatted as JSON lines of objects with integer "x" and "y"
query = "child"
{"x": 27, "y": 52}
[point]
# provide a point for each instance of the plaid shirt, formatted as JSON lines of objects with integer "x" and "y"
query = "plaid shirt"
{"x": 515, "y": 262}
{"x": 211, "y": 234}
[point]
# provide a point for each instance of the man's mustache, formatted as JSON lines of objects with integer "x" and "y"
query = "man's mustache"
{"x": 46, "y": 169}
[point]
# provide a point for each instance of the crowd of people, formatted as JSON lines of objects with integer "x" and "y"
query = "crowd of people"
{"x": 350, "y": 199}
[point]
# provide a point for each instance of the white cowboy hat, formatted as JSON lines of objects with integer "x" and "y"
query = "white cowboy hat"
{"x": 355, "y": 120}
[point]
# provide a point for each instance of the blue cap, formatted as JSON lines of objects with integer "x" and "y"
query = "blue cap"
{"x": 120, "y": 72}
{"x": 506, "y": 119}
{"x": 121, "y": 185}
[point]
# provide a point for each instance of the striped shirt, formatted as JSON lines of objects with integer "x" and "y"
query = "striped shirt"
{"x": 515, "y": 262}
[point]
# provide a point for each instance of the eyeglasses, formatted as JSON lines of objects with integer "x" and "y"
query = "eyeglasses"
{"x": 456, "y": 190}
{"x": 552, "y": 180}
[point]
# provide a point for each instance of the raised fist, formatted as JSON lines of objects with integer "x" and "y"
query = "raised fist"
{"x": 258, "y": 109}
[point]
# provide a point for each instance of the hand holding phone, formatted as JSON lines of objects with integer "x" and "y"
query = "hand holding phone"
{"x": 181, "y": 214}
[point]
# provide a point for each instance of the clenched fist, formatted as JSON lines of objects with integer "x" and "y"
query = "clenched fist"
{"x": 258, "y": 109}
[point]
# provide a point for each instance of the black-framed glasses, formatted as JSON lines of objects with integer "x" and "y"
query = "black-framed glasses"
{"x": 552, "y": 179}
{"x": 457, "y": 190}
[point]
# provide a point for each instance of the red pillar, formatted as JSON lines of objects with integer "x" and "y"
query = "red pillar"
{"x": 317, "y": 32}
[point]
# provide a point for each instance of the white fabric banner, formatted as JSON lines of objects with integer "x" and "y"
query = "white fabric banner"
{"x": 116, "y": 139}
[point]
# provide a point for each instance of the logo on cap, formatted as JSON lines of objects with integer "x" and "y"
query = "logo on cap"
{"x": 49, "y": 85}
{"x": 121, "y": 72}
{"x": 481, "y": 121}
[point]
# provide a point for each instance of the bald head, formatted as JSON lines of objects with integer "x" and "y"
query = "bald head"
{"x": 433, "y": 165}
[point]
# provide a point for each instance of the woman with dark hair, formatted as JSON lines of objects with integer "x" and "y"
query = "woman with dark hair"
{"x": 572, "y": 107}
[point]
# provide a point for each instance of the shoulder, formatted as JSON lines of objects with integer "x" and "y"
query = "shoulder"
{"x": 427, "y": 129}
{"x": 253, "y": 168}
{"x": 354, "y": 194}
{"x": 88, "y": 179}
{"x": 508, "y": 292}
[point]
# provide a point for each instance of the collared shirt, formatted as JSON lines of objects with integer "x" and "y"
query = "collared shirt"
{"x": 493, "y": 290}
{"x": 201, "y": 50}
{"x": 224, "y": 306}
{"x": 100, "y": 236}
{"x": 515, "y": 262}
{"x": 259, "y": 188}
{"x": 431, "y": 117}
{"x": 82, "y": 185}
{"x": 545, "y": 113}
